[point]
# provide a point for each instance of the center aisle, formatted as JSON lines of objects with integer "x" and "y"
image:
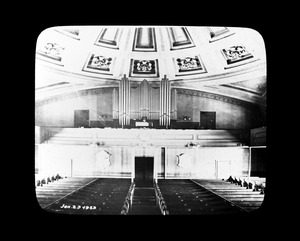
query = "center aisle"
{"x": 144, "y": 199}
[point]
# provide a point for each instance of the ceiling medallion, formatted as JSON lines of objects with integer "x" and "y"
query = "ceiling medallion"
{"x": 144, "y": 68}
{"x": 235, "y": 54}
{"x": 98, "y": 64}
{"x": 51, "y": 52}
{"x": 189, "y": 66}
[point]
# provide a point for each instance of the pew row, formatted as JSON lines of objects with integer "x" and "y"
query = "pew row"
{"x": 185, "y": 197}
{"x": 42, "y": 179}
{"x": 101, "y": 196}
{"x": 51, "y": 192}
{"x": 245, "y": 198}
{"x": 254, "y": 183}
{"x": 126, "y": 208}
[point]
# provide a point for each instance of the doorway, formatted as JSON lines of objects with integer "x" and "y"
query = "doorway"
{"x": 144, "y": 171}
{"x": 258, "y": 161}
{"x": 207, "y": 119}
{"x": 81, "y": 118}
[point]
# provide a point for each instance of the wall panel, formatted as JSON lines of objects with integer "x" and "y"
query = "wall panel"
{"x": 74, "y": 160}
{"x": 203, "y": 163}
{"x": 228, "y": 115}
{"x": 60, "y": 112}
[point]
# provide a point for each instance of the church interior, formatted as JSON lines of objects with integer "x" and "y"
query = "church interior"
{"x": 150, "y": 120}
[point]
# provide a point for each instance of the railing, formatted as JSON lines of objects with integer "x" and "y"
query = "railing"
{"x": 128, "y": 200}
{"x": 160, "y": 200}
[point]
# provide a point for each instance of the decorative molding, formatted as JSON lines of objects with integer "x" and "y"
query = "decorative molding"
{"x": 102, "y": 160}
{"x": 75, "y": 94}
{"x": 109, "y": 38}
{"x": 144, "y": 68}
{"x": 81, "y": 76}
{"x": 52, "y": 85}
{"x": 70, "y": 32}
{"x": 51, "y": 52}
{"x": 180, "y": 38}
{"x": 98, "y": 64}
{"x": 236, "y": 56}
{"x": 261, "y": 90}
{"x": 217, "y": 33}
{"x": 257, "y": 86}
{"x": 189, "y": 66}
{"x": 184, "y": 161}
{"x": 218, "y": 97}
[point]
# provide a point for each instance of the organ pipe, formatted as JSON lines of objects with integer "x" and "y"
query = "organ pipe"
{"x": 144, "y": 101}
{"x": 164, "y": 119}
{"x": 128, "y": 103}
{"x": 124, "y": 102}
{"x": 161, "y": 104}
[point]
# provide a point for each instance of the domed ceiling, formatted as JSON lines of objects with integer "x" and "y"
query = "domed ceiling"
{"x": 226, "y": 61}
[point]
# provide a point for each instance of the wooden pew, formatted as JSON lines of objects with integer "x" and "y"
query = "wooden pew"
{"x": 128, "y": 200}
{"x": 99, "y": 196}
{"x": 42, "y": 179}
{"x": 232, "y": 190}
{"x": 185, "y": 197}
{"x": 254, "y": 183}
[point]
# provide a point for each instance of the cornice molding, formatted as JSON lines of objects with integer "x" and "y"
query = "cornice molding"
{"x": 218, "y": 97}
{"x": 78, "y": 93}
{"x": 182, "y": 91}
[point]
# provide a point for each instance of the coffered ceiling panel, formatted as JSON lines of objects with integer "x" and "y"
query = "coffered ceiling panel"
{"x": 217, "y": 58}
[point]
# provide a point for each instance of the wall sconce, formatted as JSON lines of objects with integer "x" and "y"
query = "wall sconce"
{"x": 185, "y": 117}
{"x": 97, "y": 143}
{"x": 192, "y": 144}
